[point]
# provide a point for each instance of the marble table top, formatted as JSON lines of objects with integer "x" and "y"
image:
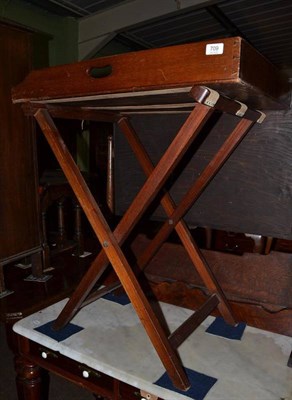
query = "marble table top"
{"x": 111, "y": 339}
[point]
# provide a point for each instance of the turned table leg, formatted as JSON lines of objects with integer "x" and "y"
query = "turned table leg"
{"x": 28, "y": 380}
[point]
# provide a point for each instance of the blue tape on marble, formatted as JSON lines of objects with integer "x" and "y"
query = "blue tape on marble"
{"x": 60, "y": 335}
{"x": 200, "y": 384}
{"x": 122, "y": 299}
{"x": 220, "y": 328}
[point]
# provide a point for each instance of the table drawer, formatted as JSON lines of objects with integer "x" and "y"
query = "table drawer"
{"x": 93, "y": 380}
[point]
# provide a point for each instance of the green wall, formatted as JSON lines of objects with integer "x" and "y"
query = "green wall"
{"x": 62, "y": 31}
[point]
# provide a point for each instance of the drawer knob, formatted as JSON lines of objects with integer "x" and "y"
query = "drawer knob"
{"x": 46, "y": 353}
{"x": 85, "y": 374}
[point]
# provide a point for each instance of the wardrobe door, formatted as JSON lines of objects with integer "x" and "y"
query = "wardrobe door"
{"x": 19, "y": 213}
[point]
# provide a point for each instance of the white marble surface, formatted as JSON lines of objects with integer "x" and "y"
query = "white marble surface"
{"x": 114, "y": 342}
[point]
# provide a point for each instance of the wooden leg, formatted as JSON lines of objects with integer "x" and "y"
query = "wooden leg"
{"x": 28, "y": 380}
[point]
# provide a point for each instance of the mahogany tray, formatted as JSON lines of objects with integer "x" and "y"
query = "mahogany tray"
{"x": 161, "y": 78}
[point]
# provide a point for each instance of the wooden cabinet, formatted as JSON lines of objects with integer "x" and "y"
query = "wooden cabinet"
{"x": 19, "y": 216}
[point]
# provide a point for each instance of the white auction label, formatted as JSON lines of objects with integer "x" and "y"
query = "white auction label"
{"x": 214, "y": 49}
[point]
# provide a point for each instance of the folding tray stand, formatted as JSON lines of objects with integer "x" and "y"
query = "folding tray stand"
{"x": 188, "y": 78}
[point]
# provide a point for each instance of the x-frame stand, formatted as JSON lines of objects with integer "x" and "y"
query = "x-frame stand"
{"x": 206, "y": 102}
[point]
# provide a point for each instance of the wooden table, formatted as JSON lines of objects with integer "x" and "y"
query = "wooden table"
{"x": 201, "y": 80}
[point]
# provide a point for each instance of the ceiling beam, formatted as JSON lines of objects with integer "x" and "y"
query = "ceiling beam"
{"x": 123, "y": 16}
